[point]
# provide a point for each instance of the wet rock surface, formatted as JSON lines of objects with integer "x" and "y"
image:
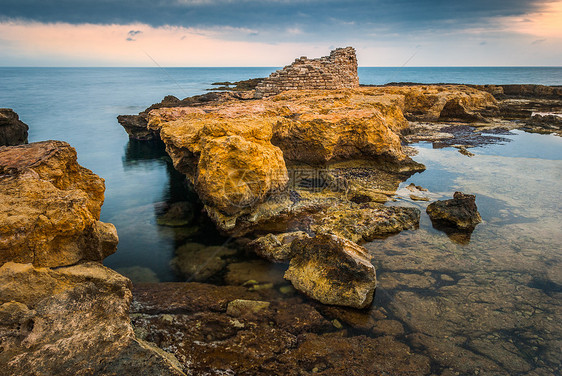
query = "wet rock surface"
{"x": 459, "y": 212}
{"x": 285, "y": 335}
{"x": 13, "y": 131}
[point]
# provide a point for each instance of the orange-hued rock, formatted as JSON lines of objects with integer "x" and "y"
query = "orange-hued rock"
{"x": 440, "y": 102}
{"x": 50, "y": 207}
{"x": 332, "y": 270}
{"x": 230, "y": 161}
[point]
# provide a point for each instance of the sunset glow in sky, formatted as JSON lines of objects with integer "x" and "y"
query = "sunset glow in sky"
{"x": 273, "y": 32}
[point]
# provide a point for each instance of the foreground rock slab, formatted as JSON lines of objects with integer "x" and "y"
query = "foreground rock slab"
{"x": 72, "y": 321}
{"x": 13, "y": 131}
{"x": 50, "y": 207}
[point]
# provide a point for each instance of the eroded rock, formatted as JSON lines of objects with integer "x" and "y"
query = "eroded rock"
{"x": 72, "y": 320}
{"x": 276, "y": 248}
{"x": 332, "y": 270}
{"x": 460, "y": 212}
{"x": 50, "y": 206}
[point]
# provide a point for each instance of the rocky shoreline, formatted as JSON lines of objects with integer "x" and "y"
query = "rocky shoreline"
{"x": 298, "y": 181}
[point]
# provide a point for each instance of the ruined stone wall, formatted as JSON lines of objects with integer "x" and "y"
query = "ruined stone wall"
{"x": 337, "y": 71}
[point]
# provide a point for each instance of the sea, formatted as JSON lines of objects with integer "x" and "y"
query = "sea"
{"x": 499, "y": 296}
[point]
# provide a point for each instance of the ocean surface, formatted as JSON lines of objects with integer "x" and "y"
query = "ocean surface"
{"x": 499, "y": 295}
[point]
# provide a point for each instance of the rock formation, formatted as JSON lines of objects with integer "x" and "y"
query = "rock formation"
{"x": 312, "y": 161}
{"x": 50, "y": 207}
{"x": 13, "y": 131}
{"x": 61, "y": 311}
{"x": 332, "y": 270}
{"x": 456, "y": 217}
{"x": 337, "y": 71}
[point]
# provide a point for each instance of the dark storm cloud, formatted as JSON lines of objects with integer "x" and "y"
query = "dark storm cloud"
{"x": 310, "y": 15}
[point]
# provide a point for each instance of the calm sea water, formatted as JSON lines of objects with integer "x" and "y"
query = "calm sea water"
{"x": 498, "y": 296}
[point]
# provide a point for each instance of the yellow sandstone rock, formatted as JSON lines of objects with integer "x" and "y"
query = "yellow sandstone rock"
{"x": 50, "y": 206}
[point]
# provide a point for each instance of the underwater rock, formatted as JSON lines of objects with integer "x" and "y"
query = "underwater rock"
{"x": 256, "y": 272}
{"x": 198, "y": 262}
{"x": 50, "y": 207}
{"x": 332, "y": 270}
{"x": 289, "y": 337}
{"x": 178, "y": 214}
{"x": 138, "y": 274}
{"x": 459, "y": 212}
{"x": 13, "y": 131}
{"x": 69, "y": 320}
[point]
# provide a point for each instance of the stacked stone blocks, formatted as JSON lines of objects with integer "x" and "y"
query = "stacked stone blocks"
{"x": 337, "y": 71}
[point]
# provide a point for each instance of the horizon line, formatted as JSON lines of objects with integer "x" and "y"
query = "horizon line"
{"x": 276, "y": 67}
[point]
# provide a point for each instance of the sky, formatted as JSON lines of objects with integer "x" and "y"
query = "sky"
{"x": 271, "y": 33}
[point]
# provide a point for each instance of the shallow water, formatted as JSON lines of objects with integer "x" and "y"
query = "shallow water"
{"x": 493, "y": 304}
{"x": 499, "y": 296}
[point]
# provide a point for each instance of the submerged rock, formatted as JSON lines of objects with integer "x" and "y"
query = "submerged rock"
{"x": 198, "y": 262}
{"x": 460, "y": 212}
{"x": 13, "y": 131}
{"x": 332, "y": 270}
{"x": 50, "y": 207}
{"x": 177, "y": 214}
{"x": 288, "y": 337}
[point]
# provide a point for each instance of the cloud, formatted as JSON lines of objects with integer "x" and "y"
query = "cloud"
{"x": 538, "y": 41}
{"x": 132, "y": 34}
{"x": 323, "y": 17}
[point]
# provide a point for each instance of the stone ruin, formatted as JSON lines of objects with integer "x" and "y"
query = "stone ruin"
{"x": 337, "y": 71}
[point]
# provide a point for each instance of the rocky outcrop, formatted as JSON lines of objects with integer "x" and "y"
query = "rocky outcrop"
{"x": 50, "y": 207}
{"x": 235, "y": 153}
{"x": 459, "y": 212}
{"x": 61, "y": 311}
{"x": 522, "y": 91}
{"x": 72, "y": 320}
{"x": 136, "y": 125}
{"x": 332, "y": 270}
{"x": 442, "y": 102}
{"x": 13, "y": 131}
{"x": 336, "y": 71}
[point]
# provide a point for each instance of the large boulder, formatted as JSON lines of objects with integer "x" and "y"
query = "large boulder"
{"x": 50, "y": 207}
{"x": 13, "y": 131}
{"x": 332, "y": 270}
{"x": 460, "y": 212}
{"x": 231, "y": 162}
{"x": 72, "y": 321}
